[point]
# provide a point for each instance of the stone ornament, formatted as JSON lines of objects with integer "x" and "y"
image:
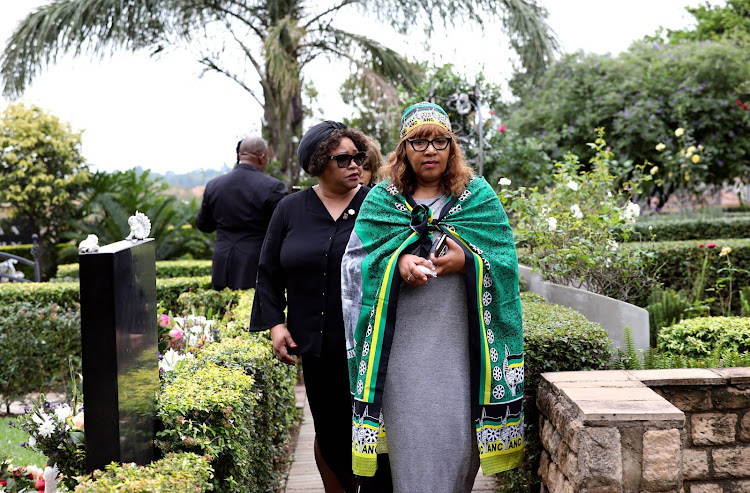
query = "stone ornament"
{"x": 140, "y": 227}
{"x": 89, "y": 245}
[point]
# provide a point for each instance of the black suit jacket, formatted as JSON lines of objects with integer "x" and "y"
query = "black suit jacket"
{"x": 238, "y": 206}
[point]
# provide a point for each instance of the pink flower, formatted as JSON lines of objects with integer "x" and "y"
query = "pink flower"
{"x": 739, "y": 102}
{"x": 175, "y": 334}
{"x": 711, "y": 245}
{"x": 39, "y": 485}
{"x": 78, "y": 421}
{"x": 501, "y": 129}
{"x": 492, "y": 112}
{"x": 700, "y": 246}
{"x": 164, "y": 321}
{"x": 744, "y": 106}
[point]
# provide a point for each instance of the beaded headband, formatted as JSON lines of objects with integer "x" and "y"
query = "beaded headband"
{"x": 423, "y": 113}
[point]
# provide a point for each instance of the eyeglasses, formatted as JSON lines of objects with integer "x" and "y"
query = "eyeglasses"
{"x": 343, "y": 160}
{"x": 421, "y": 145}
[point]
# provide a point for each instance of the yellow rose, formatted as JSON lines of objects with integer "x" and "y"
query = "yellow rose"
{"x": 654, "y": 170}
{"x": 660, "y": 146}
{"x": 688, "y": 153}
{"x": 679, "y": 132}
{"x": 687, "y": 176}
{"x": 725, "y": 251}
{"x": 691, "y": 149}
{"x": 696, "y": 159}
{"x": 700, "y": 147}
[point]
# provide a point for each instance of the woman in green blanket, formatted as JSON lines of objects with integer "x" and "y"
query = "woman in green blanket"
{"x": 434, "y": 342}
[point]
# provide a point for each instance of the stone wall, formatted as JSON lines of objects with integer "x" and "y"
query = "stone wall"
{"x": 645, "y": 431}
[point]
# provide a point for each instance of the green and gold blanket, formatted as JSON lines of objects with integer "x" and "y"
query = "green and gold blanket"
{"x": 390, "y": 223}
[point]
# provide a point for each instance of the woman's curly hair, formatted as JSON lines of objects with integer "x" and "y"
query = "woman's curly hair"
{"x": 320, "y": 159}
{"x": 457, "y": 174}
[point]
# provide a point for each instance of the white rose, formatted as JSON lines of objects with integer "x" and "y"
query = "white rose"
{"x": 504, "y": 182}
{"x": 552, "y": 223}
{"x": 572, "y": 185}
{"x": 576, "y": 211}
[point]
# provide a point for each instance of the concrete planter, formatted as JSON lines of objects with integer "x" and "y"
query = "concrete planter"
{"x": 613, "y": 315}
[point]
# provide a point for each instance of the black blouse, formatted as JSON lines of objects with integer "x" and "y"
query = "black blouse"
{"x": 302, "y": 254}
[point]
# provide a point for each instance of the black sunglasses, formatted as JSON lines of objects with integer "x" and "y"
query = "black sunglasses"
{"x": 343, "y": 160}
{"x": 421, "y": 145}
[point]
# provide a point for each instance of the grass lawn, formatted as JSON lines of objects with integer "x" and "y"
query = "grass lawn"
{"x": 10, "y": 446}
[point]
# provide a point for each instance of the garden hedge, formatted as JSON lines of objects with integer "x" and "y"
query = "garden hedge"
{"x": 556, "y": 338}
{"x": 164, "y": 269}
{"x": 735, "y": 226}
{"x": 66, "y": 294}
{"x": 681, "y": 263}
{"x": 175, "y": 472}
{"x": 700, "y": 337}
{"x": 38, "y": 342}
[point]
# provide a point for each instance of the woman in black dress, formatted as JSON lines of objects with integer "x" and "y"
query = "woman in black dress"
{"x": 301, "y": 255}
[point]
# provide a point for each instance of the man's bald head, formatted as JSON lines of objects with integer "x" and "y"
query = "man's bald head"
{"x": 253, "y": 150}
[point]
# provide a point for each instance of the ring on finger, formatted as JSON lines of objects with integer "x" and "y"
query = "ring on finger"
{"x": 409, "y": 278}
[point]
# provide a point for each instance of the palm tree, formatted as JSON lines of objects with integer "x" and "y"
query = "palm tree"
{"x": 275, "y": 39}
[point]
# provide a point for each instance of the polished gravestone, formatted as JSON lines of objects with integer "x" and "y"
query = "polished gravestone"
{"x": 120, "y": 352}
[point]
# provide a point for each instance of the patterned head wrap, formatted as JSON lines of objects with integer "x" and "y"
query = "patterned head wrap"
{"x": 423, "y": 113}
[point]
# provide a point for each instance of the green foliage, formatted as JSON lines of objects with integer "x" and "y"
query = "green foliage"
{"x": 686, "y": 265}
{"x": 745, "y": 301}
{"x": 66, "y": 294}
{"x": 641, "y": 97}
{"x": 275, "y": 412}
{"x": 175, "y": 472}
{"x": 713, "y": 22}
{"x": 111, "y": 198}
{"x": 571, "y": 231}
{"x": 209, "y": 409}
{"x": 38, "y": 342}
{"x": 42, "y": 172}
{"x": 217, "y": 303}
{"x": 667, "y": 307}
{"x": 698, "y": 337}
{"x": 654, "y": 359}
{"x": 737, "y": 226}
{"x": 556, "y": 338}
{"x": 164, "y": 269}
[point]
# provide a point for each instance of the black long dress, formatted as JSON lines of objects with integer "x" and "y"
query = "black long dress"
{"x": 302, "y": 254}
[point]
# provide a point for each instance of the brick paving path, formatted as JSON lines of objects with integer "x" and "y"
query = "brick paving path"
{"x": 304, "y": 477}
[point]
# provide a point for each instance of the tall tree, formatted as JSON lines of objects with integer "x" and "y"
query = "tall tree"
{"x": 42, "y": 173}
{"x": 275, "y": 39}
{"x": 712, "y": 23}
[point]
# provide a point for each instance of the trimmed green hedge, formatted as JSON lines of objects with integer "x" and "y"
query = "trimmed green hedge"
{"x": 681, "y": 263}
{"x": 66, "y": 294}
{"x": 175, "y": 472}
{"x": 556, "y": 338}
{"x": 700, "y": 337}
{"x": 37, "y": 341}
{"x": 737, "y": 226}
{"x": 164, "y": 269}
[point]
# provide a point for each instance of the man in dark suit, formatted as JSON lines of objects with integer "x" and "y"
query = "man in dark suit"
{"x": 238, "y": 206}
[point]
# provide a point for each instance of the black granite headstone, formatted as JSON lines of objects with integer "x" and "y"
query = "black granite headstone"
{"x": 120, "y": 352}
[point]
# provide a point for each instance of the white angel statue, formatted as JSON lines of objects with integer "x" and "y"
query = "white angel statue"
{"x": 140, "y": 227}
{"x": 89, "y": 245}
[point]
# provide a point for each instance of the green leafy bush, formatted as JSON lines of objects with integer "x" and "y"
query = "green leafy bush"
{"x": 164, "y": 269}
{"x": 275, "y": 412}
{"x": 640, "y": 97}
{"x": 699, "y": 337}
{"x": 572, "y": 231}
{"x": 38, "y": 341}
{"x": 175, "y": 472}
{"x": 208, "y": 301}
{"x": 682, "y": 267}
{"x": 556, "y": 338}
{"x": 209, "y": 409}
{"x": 737, "y": 226}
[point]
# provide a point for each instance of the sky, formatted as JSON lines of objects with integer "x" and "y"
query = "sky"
{"x": 160, "y": 114}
